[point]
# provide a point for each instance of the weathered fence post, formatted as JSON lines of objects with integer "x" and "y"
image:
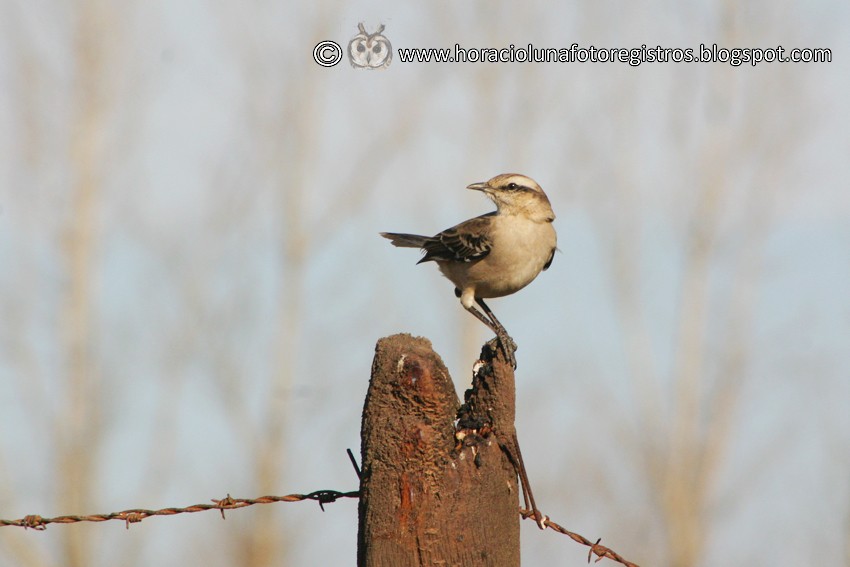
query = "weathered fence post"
{"x": 436, "y": 487}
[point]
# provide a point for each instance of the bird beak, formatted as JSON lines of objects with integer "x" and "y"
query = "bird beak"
{"x": 483, "y": 186}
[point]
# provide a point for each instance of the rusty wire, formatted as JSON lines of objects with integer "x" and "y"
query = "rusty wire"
{"x": 137, "y": 515}
{"x": 595, "y": 548}
{"x": 229, "y": 503}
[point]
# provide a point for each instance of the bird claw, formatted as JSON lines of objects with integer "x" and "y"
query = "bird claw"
{"x": 506, "y": 345}
{"x": 509, "y": 347}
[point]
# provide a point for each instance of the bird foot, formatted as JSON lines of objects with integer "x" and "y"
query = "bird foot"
{"x": 509, "y": 347}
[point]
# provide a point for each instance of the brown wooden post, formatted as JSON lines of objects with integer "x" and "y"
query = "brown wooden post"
{"x": 432, "y": 493}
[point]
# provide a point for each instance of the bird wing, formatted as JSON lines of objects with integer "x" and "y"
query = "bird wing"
{"x": 466, "y": 242}
{"x": 549, "y": 261}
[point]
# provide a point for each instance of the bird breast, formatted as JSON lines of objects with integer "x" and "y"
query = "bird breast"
{"x": 520, "y": 249}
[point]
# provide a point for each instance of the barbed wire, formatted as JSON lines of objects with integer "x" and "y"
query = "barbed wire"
{"x": 323, "y": 497}
{"x": 595, "y": 548}
{"x": 137, "y": 514}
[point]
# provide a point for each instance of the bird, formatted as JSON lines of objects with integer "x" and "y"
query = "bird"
{"x": 495, "y": 254}
{"x": 370, "y": 50}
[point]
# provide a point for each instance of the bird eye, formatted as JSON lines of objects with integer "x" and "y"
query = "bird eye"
{"x": 512, "y": 185}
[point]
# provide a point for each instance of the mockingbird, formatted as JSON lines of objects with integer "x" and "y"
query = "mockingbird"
{"x": 495, "y": 254}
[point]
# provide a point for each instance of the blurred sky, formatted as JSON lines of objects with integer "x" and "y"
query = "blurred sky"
{"x": 224, "y": 152}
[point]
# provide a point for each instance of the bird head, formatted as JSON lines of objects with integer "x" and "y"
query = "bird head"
{"x": 517, "y": 194}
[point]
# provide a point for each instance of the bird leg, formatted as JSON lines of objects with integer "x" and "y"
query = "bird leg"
{"x": 505, "y": 341}
{"x": 508, "y": 345}
{"x": 481, "y": 317}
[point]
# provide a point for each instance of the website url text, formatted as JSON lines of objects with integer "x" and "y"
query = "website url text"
{"x": 633, "y": 56}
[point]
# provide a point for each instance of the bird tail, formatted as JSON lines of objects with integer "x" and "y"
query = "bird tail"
{"x": 405, "y": 240}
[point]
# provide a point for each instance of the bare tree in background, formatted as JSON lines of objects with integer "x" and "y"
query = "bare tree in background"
{"x": 79, "y": 425}
{"x": 726, "y": 141}
{"x": 281, "y": 152}
{"x": 722, "y": 214}
{"x": 77, "y": 422}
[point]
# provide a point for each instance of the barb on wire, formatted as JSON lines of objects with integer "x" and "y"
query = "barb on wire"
{"x": 354, "y": 463}
{"x": 137, "y": 515}
{"x": 595, "y": 548}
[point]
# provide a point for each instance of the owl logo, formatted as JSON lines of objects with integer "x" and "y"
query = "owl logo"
{"x": 370, "y": 51}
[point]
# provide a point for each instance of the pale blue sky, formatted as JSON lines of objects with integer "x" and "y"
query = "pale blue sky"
{"x": 189, "y": 250}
